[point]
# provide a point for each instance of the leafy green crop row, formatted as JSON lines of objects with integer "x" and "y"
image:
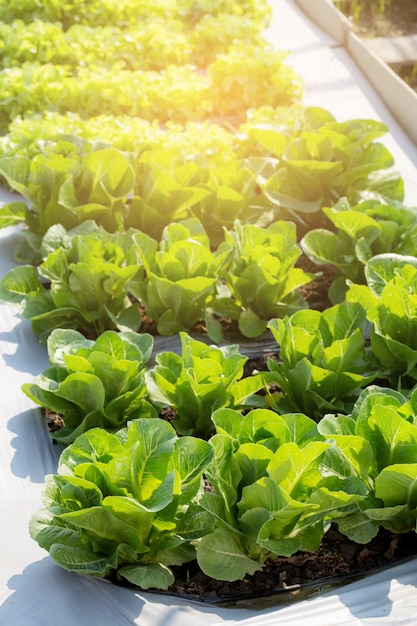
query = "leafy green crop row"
{"x": 52, "y": 132}
{"x": 125, "y": 13}
{"x": 62, "y": 134}
{"x": 92, "y": 280}
{"x": 130, "y": 505}
{"x": 324, "y": 363}
{"x": 149, "y": 45}
{"x": 279, "y": 165}
{"x": 178, "y": 93}
{"x": 105, "y": 383}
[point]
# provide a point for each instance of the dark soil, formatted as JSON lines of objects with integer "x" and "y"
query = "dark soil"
{"x": 285, "y": 579}
{"x": 379, "y": 18}
{"x": 316, "y": 292}
{"x": 409, "y": 76}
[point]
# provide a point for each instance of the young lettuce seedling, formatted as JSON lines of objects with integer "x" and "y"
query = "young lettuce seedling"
{"x": 199, "y": 381}
{"x": 83, "y": 283}
{"x": 261, "y": 282}
{"x": 390, "y": 301}
{"x": 94, "y": 383}
{"x": 323, "y": 360}
{"x": 362, "y": 231}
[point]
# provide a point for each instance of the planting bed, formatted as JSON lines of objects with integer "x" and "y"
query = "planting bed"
{"x": 269, "y": 456}
{"x": 394, "y": 24}
{"x": 392, "y": 29}
{"x": 371, "y": 18}
{"x": 337, "y": 562}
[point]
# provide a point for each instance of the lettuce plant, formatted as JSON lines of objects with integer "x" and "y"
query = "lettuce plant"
{"x": 323, "y": 361}
{"x": 262, "y": 282}
{"x": 377, "y": 443}
{"x": 324, "y": 162}
{"x": 232, "y": 193}
{"x": 67, "y": 189}
{"x": 359, "y": 233}
{"x": 390, "y": 301}
{"x": 92, "y": 384}
{"x": 123, "y": 505}
{"x": 82, "y": 283}
{"x": 181, "y": 273}
{"x": 200, "y": 380}
{"x": 128, "y": 505}
{"x": 167, "y": 186}
{"x": 269, "y": 496}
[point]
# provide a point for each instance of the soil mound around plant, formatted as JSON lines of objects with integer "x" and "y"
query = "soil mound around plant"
{"x": 337, "y": 562}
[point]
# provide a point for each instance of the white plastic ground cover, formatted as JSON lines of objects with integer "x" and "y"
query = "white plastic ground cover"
{"x": 35, "y": 592}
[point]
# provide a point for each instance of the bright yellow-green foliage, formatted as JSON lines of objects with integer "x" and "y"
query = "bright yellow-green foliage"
{"x": 49, "y": 132}
{"x": 166, "y": 61}
{"x": 150, "y": 44}
{"x": 128, "y": 12}
{"x": 178, "y": 93}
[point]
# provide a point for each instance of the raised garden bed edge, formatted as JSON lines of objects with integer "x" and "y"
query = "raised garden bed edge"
{"x": 400, "y": 98}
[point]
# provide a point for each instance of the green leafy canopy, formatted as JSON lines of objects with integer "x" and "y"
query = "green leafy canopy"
{"x": 94, "y": 384}
{"x": 200, "y": 380}
{"x": 125, "y": 503}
